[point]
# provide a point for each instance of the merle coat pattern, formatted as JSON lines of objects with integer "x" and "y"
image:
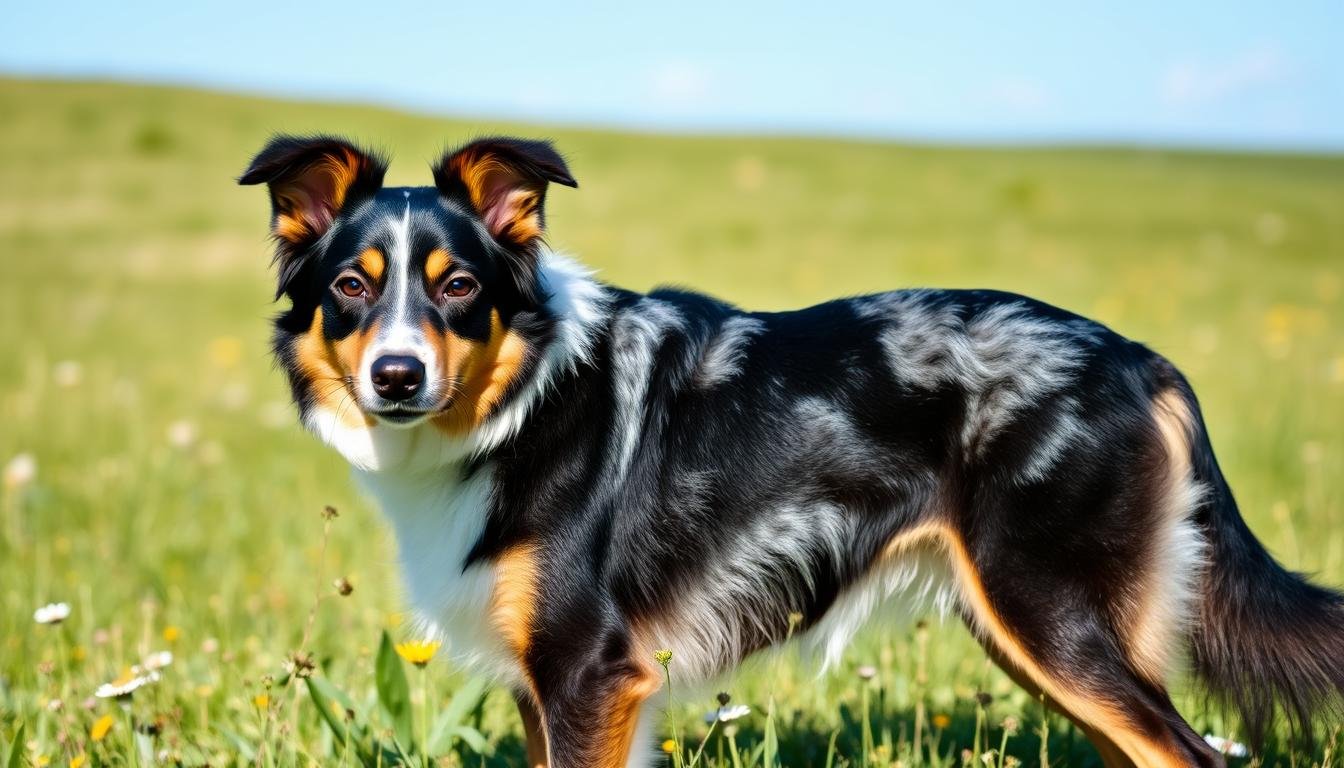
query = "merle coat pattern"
{"x": 579, "y": 475}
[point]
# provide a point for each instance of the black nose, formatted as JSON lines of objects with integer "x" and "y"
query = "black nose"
{"x": 397, "y": 377}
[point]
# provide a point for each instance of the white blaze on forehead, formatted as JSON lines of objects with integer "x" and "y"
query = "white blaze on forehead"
{"x": 400, "y": 334}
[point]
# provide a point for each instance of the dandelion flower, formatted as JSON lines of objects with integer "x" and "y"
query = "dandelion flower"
{"x": 669, "y": 746}
{"x": 78, "y": 761}
{"x": 156, "y": 661}
{"x": 171, "y": 633}
{"x": 1227, "y": 746}
{"x": 261, "y": 701}
{"x": 52, "y": 613}
{"x": 727, "y": 714}
{"x": 129, "y": 682}
{"x": 226, "y": 351}
{"x": 20, "y": 471}
{"x": 941, "y": 721}
{"x": 418, "y": 652}
{"x": 101, "y": 726}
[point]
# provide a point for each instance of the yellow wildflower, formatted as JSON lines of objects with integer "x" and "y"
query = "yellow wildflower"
{"x": 171, "y": 633}
{"x": 418, "y": 652}
{"x": 78, "y": 761}
{"x": 261, "y": 701}
{"x": 669, "y": 746}
{"x": 101, "y": 726}
{"x": 941, "y": 721}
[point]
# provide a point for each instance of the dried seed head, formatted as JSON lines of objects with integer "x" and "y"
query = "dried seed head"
{"x": 867, "y": 672}
{"x": 1011, "y": 725}
{"x": 983, "y": 699}
{"x": 723, "y": 698}
{"x": 343, "y": 587}
{"x": 300, "y": 664}
{"x": 329, "y": 512}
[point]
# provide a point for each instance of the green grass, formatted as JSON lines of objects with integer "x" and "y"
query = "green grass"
{"x": 175, "y": 493}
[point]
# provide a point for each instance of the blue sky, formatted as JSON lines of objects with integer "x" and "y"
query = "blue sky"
{"x": 1203, "y": 73}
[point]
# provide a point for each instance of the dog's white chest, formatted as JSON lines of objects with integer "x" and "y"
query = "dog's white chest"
{"x": 437, "y": 520}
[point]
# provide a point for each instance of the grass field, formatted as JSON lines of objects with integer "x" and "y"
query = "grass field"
{"x": 157, "y": 481}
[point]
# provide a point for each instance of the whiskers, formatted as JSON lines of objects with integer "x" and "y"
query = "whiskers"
{"x": 327, "y": 386}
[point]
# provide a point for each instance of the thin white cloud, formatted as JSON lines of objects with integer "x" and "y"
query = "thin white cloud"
{"x": 680, "y": 83}
{"x": 1193, "y": 83}
{"x": 1019, "y": 94}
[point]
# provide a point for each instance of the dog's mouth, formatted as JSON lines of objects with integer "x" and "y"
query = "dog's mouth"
{"x": 402, "y": 415}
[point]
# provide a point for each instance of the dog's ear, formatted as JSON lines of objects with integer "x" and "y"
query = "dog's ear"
{"x": 310, "y": 179}
{"x": 504, "y": 180}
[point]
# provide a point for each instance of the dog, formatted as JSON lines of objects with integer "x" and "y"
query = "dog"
{"x": 579, "y": 476}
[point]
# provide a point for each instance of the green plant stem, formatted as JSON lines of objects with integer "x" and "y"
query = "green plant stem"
{"x": 424, "y": 717}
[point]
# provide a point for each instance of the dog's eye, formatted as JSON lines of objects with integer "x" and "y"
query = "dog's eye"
{"x": 352, "y": 286}
{"x": 458, "y": 287}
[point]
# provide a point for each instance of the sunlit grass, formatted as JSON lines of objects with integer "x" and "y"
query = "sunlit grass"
{"x": 156, "y": 482}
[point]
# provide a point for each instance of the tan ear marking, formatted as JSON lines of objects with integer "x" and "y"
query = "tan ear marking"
{"x": 505, "y": 198}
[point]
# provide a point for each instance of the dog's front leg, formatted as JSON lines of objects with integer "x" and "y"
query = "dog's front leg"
{"x": 590, "y": 711}
{"x": 532, "y": 729}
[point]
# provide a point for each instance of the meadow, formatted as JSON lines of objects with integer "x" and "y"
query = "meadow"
{"x": 156, "y": 481}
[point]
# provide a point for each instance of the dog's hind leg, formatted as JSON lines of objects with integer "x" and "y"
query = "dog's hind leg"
{"x": 1069, "y": 652}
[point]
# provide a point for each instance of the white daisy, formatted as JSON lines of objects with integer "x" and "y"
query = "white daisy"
{"x": 130, "y": 681}
{"x": 20, "y": 471}
{"x": 156, "y": 661}
{"x": 1227, "y": 746}
{"x": 52, "y": 613}
{"x": 67, "y": 373}
{"x": 727, "y": 714}
{"x": 181, "y": 434}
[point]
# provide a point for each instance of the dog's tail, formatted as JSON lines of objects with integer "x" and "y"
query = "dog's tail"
{"x": 1266, "y": 640}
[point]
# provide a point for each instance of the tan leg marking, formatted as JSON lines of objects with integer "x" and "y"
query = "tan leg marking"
{"x": 616, "y": 734}
{"x": 1099, "y": 716}
{"x": 1162, "y": 604}
{"x": 534, "y": 730}
{"x": 513, "y": 603}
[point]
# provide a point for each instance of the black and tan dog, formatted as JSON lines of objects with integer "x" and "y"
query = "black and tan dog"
{"x": 579, "y": 475}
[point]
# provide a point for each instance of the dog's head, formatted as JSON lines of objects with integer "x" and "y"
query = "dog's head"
{"x": 407, "y": 305}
